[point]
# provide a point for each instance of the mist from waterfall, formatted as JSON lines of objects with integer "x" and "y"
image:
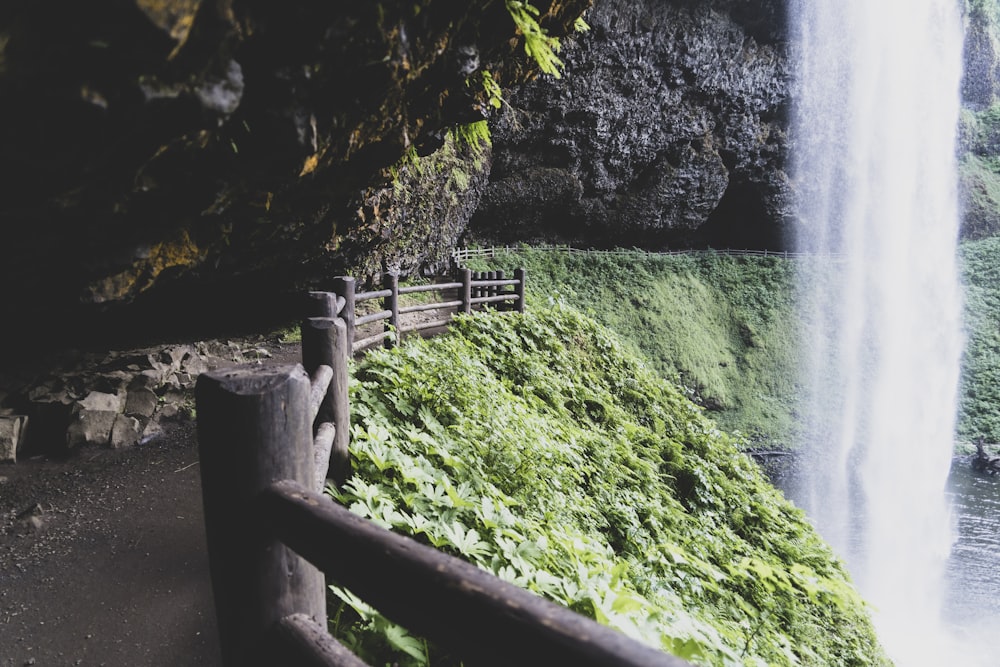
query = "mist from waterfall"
{"x": 874, "y": 130}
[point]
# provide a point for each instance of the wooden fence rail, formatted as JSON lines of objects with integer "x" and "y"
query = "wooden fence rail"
{"x": 269, "y": 437}
{"x": 470, "y": 290}
{"x": 462, "y": 255}
{"x": 272, "y": 537}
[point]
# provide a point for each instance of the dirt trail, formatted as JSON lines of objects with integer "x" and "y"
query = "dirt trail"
{"x": 102, "y": 559}
{"x": 102, "y": 556}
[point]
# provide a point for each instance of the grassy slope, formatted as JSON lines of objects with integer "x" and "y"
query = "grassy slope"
{"x": 724, "y": 327}
{"x": 979, "y": 405}
{"x": 539, "y": 448}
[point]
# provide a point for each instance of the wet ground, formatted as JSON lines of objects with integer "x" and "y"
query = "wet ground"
{"x": 102, "y": 558}
{"x": 102, "y": 555}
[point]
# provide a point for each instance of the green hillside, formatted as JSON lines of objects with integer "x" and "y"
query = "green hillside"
{"x": 725, "y": 328}
{"x": 538, "y": 447}
{"x": 979, "y": 402}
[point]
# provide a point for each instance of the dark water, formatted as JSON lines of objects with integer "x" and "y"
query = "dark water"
{"x": 972, "y": 599}
{"x": 971, "y": 607}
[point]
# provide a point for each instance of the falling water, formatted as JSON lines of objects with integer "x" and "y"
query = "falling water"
{"x": 874, "y": 153}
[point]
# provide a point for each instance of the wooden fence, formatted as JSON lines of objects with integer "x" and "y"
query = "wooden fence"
{"x": 266, "y": 436}
{"x": 462, "y": 255}
{"x": 472, "y": 290}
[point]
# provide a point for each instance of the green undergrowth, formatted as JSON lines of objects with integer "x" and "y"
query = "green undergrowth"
{"x": 724, "y": 327}
{"x": 979, "y": 403}
{"x": 539, "y": 448}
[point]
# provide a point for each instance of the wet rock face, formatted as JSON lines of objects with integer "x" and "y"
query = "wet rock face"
{"x": 669, "y": 128}
{"x": 160, "y": 151}
{"x": 981, "y": 80}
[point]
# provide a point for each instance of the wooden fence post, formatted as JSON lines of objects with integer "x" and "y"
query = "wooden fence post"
{"x": 390, "y": 281}
{"x": 344, "y": 287}
{"x": 520, "y": 275}
{"x": 324, "y": 343}
{"x": 465, "y": 277}
{"x": 501, "y": 305}
{"x": 254, "y": 429}
{"x": 492, "y": 290}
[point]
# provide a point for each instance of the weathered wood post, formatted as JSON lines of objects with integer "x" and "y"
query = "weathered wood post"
{"x": 390, "y": 281}
{"x": 465, "y": 293}
{"x": 492, "y": 290}
{"x": 520, "y": 275}
{"x": 324, "y": 343}
{"x": 501, "y": 305}
{"x": 254, "y": 428}
{"x": 344, "y": 286}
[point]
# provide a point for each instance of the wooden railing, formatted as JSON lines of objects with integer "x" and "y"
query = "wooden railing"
{"x": 269, "y": 437}
{"x": 463, "y": 255}
{"x": 471, "y": 291}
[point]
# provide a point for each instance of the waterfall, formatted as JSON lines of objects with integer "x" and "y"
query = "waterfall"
{"x": 877, "y": 105}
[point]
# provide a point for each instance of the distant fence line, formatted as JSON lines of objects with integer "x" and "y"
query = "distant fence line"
{"x": 463, "y": 255}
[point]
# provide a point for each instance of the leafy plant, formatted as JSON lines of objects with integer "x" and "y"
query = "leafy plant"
{"x": 726, "y": 328}
{"x": 537, "y": 447}
{"x": 494, "y": 95}
{"x": 538, "y": 44}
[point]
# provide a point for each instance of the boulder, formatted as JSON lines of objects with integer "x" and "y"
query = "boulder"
{"x": 11, "y": 436}
{"x": 125, "y": 432}
{"x": 101, "y": 402}
{"x": 91, "y": 427}
{"x": 141, "y": 403}
{"x": 669, "y": 128}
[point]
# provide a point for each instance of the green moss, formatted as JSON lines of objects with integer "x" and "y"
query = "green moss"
{"x": 980, "y": 179}
{"x": 979, "y": 404}
{"x": 724, "y": 327}
{"x": 537, "y": 447}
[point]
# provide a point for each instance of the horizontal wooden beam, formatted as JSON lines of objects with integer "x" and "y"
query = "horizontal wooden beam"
{"x": 303, "y": 642}
{"x": 436, "y": 287}
{"x": 482, "y": 618}
{"x": 373, "y": 317}
{"x": 421, "y": 307}
{"x": 368, "y": 296}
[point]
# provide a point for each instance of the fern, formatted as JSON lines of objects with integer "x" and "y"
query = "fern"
{"x": 538, "y": 44}
{"x": 475, "y": 135}
{"x": 492, "y": 89}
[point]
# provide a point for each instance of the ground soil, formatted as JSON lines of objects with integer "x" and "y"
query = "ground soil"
{"x": 102, "y": 559}
{"x": 102, "y": 555}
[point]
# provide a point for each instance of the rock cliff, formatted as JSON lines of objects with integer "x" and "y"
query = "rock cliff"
{"x": 980, "y": 128}
{"x": 669, "y": 128}
{"x": 196, "y": 159}
{"x": 179, "y": 164}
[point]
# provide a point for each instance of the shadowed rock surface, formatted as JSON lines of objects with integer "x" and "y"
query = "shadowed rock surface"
{"x": 668, "y": 128}
{"x": 195, "y": 160}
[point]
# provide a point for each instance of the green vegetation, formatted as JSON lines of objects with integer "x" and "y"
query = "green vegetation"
{"x": 979, "y": 172}
{"x": 979, "y": 404}
{"x": 538, "y": 448}
{"x": 980, "y": 177}
{"x": 474, "y": 135}
{"x": 985, "y": 9}
{"x": 724, "y": 327}
{"x": 538, "y": 44}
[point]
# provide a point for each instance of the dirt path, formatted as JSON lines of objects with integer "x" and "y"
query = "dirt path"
{"x": 102, "y": 559}
{"x": 102, "y": 556}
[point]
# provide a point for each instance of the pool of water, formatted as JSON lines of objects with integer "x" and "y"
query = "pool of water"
{"x": 972, "y": 599}
{"x": 971, "y": 611}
